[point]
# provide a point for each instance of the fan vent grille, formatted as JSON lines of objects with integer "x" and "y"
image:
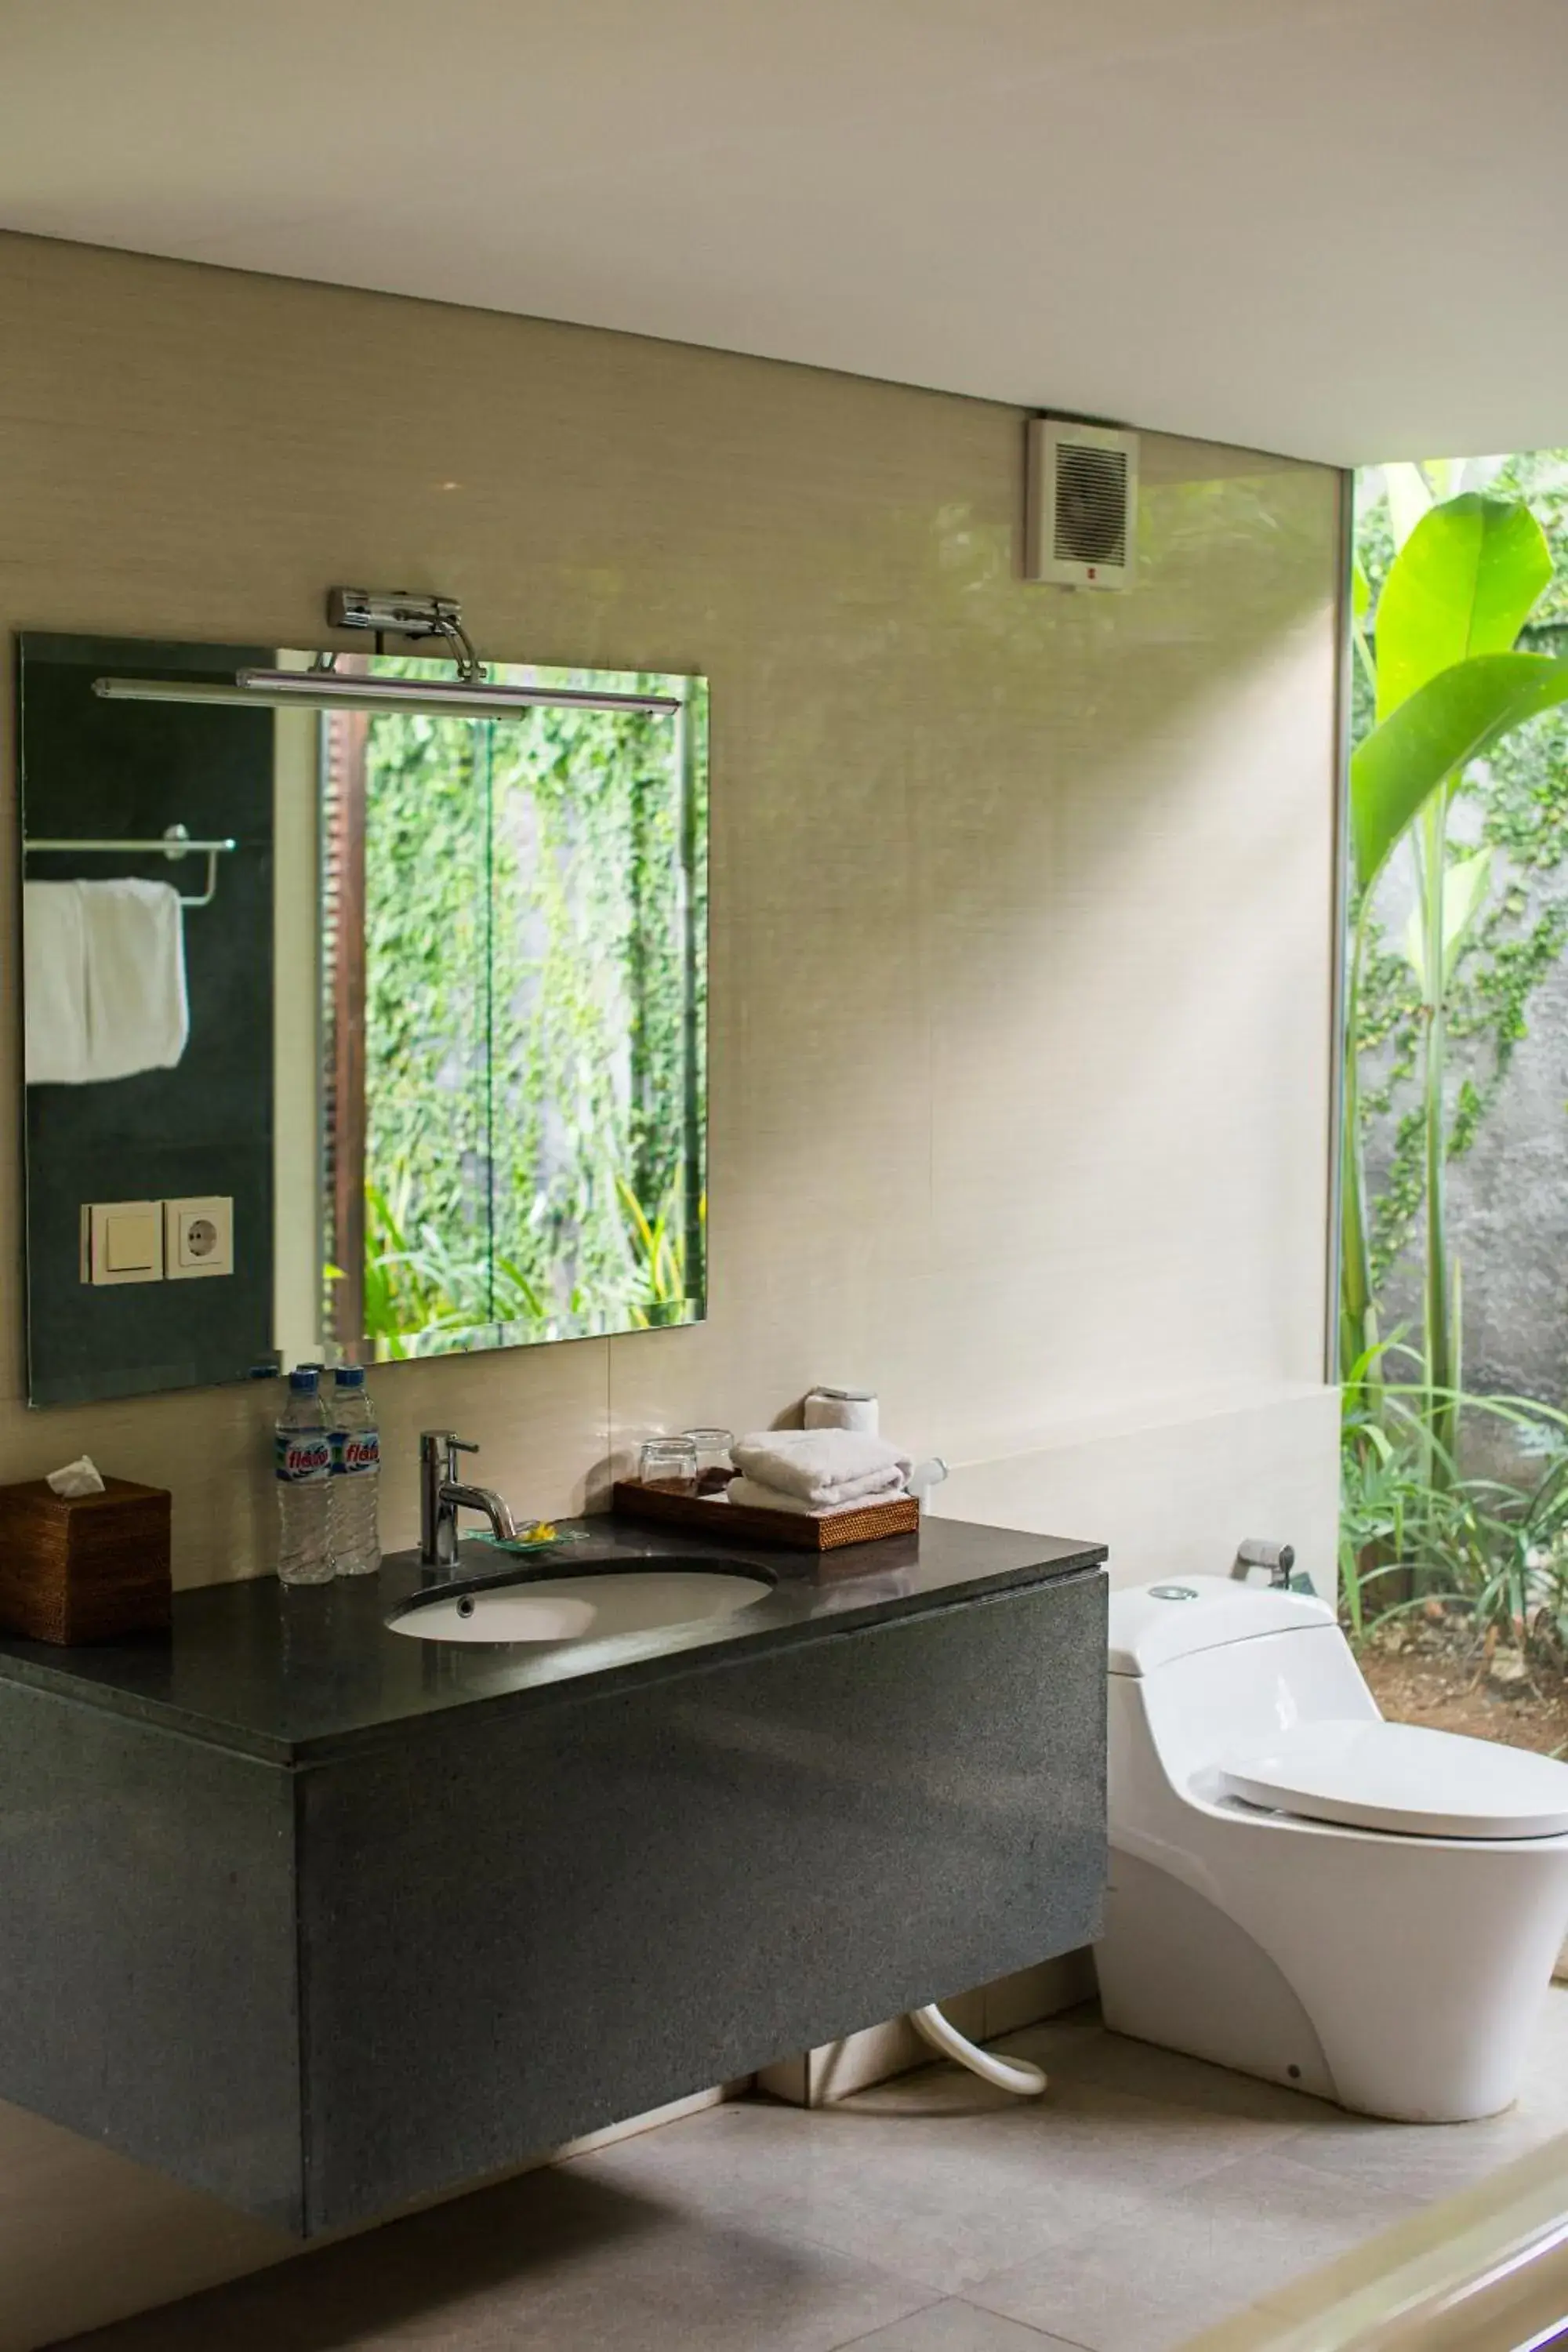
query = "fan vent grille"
{"x": 1091, "y": 504}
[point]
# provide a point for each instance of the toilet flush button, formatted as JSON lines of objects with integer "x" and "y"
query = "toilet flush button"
{"x": 1172, "y": 1592}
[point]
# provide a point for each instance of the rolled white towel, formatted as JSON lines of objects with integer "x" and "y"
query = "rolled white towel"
{"x": 757, "y": 1497}
{"x": 820, "y": 1466}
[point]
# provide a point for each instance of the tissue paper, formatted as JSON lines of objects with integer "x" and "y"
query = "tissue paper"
{"x": 78, "y": 1477}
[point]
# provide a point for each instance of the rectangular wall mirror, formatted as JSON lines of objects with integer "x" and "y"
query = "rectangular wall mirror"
{"x": 404, "y": 1056}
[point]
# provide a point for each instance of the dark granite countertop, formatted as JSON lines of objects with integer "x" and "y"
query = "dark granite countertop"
{"x": 297, "y": 1676}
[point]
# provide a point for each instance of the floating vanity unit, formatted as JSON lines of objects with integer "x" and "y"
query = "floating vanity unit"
{"x": 321, "y": 1918}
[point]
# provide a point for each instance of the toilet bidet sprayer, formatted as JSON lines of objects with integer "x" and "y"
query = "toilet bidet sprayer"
{"x": 1279, "y": 1558}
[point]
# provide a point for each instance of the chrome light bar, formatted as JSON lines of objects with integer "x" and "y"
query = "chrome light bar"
{"x": 325, "y": 689}
{"x": 472, "y": 694}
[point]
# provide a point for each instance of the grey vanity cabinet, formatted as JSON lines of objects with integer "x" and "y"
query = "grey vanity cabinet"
{"x": 321, "y": 1984}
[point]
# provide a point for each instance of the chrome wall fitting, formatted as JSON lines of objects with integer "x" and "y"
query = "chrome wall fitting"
{"x": 385, "y": 613}
{"x": 395, "y": 613}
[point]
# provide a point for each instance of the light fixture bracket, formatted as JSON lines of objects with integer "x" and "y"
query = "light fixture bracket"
{"x": 396, "y": 613}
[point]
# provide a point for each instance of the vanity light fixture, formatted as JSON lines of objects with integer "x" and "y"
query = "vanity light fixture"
{"x": 386, "y": 613}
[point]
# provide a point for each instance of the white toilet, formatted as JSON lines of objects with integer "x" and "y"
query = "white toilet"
{"x": 1303, "y": 1891}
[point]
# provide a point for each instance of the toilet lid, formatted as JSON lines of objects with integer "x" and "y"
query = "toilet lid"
{"x": 1397, "y": 1776}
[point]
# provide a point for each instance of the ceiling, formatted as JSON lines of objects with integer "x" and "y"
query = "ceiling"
{"x": 1334, "y": 227}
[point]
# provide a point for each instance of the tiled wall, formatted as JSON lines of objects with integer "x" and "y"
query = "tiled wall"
{"x": 1174, "y": 1492}
{"x": 1021, "y": 907}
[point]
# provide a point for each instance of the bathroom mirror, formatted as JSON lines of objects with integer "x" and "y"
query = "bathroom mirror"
{"x": 403, "y": 1056}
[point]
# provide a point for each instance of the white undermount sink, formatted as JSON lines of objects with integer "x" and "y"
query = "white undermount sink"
{"x": 583, "y": 1608}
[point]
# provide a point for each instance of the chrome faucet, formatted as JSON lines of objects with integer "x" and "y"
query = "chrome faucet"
{"x": 442, "y": 1495}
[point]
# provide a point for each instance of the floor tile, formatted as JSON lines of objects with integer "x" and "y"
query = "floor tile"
{"x": 1190, "y": 2257}
{"x": 1116, "y": 2060}
{"x": 957, "y": 2327}
{"x": 1421, "y": 2161}
{"x": 1519, "y": 2197}
{"x": 1257, "y": 2328}
{"x": 1546, "y": 2077}
{"x": 1146, "y": 2197}
{"x": 551, "y": 2263}
{"x": 935, "y": 2177}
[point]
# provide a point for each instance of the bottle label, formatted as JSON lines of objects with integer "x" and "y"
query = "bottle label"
{"x": 302, "y": 1455}
{"x": 354, "y": 1450}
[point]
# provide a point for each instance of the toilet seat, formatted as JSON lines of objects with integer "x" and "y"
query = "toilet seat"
{"x": 1403, "y": 1778}
{"x": 1365, "y": 1910}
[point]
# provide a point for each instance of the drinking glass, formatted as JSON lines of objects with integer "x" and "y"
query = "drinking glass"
{"x": 714, "y": 1468}
{"x": 669, "y": 1463}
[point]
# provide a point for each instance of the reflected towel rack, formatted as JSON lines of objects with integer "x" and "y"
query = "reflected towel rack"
{"x": 172, "y": 843}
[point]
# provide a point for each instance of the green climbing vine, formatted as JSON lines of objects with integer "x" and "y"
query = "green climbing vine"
{"x": 536, "y": 1014}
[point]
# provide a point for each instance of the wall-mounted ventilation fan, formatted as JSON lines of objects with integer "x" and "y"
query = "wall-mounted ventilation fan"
{"x": 1082, "y": 522}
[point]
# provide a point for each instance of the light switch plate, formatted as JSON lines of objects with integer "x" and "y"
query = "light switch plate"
{"x": 198, "y": 1238}
{"x": 122, "y": 1241}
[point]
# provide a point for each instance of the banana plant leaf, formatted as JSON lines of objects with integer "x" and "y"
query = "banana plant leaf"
{"x": 1466, "y": 884}
{"x": 1464, "y": 583}
{"x": 1446, "y": 722}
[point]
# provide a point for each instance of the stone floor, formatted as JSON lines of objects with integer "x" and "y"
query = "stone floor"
{"x": 1145, "y": 2197}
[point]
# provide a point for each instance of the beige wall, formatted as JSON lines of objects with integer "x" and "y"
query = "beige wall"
{"x": 1175, "y": 1492}
{"x": 1021, "y": 912}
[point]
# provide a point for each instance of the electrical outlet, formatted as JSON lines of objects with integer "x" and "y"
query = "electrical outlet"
{"x": 198, "y": 1238}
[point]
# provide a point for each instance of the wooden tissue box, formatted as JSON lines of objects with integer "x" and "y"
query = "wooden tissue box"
{"x": 84, "y": 1567}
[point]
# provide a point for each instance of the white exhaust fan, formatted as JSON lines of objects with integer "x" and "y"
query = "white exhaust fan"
{"x": 1082, "y": 526}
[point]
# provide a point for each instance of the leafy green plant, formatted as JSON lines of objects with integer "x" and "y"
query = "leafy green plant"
{"x": 1496, "y": 1548}
{"x": 1448, "y": 688}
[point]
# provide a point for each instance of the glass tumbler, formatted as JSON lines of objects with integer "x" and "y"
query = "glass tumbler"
{"x": 714, "y": 1468}
{"x": 668, "y": 1463}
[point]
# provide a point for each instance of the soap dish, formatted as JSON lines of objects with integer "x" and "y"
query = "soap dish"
{"x": 534, "y": 1540}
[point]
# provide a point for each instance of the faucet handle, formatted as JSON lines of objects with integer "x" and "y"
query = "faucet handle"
{"x": 442, "y": 1446}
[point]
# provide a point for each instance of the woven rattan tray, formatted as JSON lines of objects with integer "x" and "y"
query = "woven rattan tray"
{"x": 741, "y": 1523}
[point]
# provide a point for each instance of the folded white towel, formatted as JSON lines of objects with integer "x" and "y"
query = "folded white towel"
{"x": 105, "y": 972}
{"x": 137, "y": 1014}
{"x": 821, "y": 1465}
{"x": 54, "y": 983}
{"x": 757, "y": 1497}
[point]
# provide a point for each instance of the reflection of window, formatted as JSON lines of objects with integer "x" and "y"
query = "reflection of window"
{"x": 344, "y": 740}
{"x": 512, "y": 1076}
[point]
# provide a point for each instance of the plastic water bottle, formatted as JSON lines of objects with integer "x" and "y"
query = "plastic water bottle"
{"x": 303, "y": 1461}
{"x": 353, "y": 1537}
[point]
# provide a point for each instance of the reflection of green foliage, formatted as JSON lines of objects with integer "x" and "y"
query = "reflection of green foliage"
{"x": 424, "y": 1296}
{"x": 533, "y": 1036}
{"x": 661, "y": 1248}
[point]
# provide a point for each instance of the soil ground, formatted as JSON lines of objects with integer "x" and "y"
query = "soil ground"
{"x": 1440, "y": 1675}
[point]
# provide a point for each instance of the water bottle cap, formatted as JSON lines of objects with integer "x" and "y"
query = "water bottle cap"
{"x": 349, "y": 1376}
{"x": 304, "y": 1380}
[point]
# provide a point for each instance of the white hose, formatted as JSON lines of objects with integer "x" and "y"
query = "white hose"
{"x": 1013, "y": 2075}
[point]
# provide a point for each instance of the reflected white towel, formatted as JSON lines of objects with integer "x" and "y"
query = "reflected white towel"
{"x": 54, "y": 983}
{"x": 757, "y": 1497}
{"x": 105, "y": 967}
{"x": 138, "y": 1016}
{"x": 821, "y": 1465}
